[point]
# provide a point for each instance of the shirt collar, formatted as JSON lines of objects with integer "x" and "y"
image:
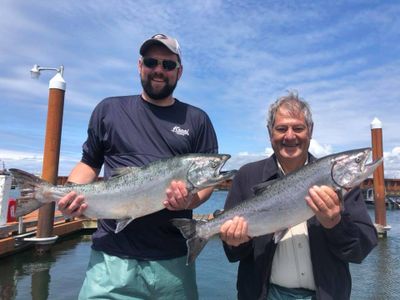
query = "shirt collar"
{"x": 281, "y": 169}
{"x": 272, "y": 170}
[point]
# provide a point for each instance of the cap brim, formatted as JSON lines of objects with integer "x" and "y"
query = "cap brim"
{"x": 147, "y": 44}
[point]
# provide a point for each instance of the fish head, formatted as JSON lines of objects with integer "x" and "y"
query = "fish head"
{"x": 205, "y": 170}
{"x": 350, "y": 168}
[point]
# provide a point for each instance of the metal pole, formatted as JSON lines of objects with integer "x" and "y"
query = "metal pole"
{"x": 379, "y": 181}
{"x": 51, "y": 155}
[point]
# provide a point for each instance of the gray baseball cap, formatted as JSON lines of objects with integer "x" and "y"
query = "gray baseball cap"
{"x": 169, "y": 42}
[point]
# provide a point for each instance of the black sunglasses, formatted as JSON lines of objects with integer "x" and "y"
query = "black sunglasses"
{"x": 167, "y": 64}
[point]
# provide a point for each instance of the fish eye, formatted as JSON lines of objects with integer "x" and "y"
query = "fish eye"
{"x": 214, "y": 164}
{"x": 358, "y": 160}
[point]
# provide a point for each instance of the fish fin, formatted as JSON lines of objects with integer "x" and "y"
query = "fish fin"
{"x": 124, "y": 170}
{"x": 122, "y": 223}
{"x": 25, "y": 205}
{"x": 27, "y": 183}
{"x": 279, "y": 235}
{"x": 341, "y": 193}
{"x": 263, "y": 186}
{"x": 194, "y": 243}
{"x": 26, "y": 180}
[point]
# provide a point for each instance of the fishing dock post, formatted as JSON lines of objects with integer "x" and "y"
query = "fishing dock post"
{"x": 378, "y": 179}
{"x": 51, "y": 154}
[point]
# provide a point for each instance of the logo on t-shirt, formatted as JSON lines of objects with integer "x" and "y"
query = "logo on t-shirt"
{"x": 180, "y": 131}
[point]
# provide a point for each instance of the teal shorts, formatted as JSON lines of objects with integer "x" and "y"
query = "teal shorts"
{"x": 277, "y": 292}
{"x": 111, "y": 277}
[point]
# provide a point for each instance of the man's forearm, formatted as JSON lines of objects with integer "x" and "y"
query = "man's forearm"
{"x": 83, "y": 174}
{"x": 200, "y": 197}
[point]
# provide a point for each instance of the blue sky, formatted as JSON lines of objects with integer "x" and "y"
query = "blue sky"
{"x": 343, "y": 57}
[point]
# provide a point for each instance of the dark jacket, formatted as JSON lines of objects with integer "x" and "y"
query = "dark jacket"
{"x": 332, "y": 250}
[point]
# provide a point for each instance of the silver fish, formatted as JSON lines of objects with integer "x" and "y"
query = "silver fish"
{"x": 280, "y": 204}
{"x": 133, "y": 193}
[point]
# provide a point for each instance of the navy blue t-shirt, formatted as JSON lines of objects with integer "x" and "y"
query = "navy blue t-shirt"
{"x": 129, "y": 131}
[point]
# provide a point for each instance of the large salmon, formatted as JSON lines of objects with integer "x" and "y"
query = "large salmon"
{"x": 281, "y": 204}
{"x": 133, "y": 193}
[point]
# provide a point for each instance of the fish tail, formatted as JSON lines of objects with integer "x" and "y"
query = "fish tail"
{"x": 194, "y": 242}
{"x": 27, "y": 184}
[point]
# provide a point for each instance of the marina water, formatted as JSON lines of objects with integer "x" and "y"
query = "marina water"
{"x": 60, "y": 273}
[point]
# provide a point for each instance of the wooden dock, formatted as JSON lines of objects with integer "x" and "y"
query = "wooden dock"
{"x": 17, "y": 236}
{"x": 14, "y": 239}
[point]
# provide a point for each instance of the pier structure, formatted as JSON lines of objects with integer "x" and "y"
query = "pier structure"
{"x": 379, "y": 182}
{"x": 51, "y": 152}
{"x": 21, "y": 235}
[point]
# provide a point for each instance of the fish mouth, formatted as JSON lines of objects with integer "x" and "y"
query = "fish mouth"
{"x": 358, "y": 174}
{"x": 208, "y": 171}
{"x": 367, "y": 169}
{"x": 371, "y": 167}
{"x": 224, "y": 175}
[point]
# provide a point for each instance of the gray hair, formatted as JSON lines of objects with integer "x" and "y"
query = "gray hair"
{"x": 295, "y": 105}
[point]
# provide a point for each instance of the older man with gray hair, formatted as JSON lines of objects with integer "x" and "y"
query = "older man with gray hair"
{"x": 311, "y": 261}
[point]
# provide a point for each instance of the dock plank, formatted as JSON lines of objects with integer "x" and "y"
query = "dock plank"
{"x": 11, "y": 242}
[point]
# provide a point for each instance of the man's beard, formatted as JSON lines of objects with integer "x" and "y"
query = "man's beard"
{"x": 165, "y": 92}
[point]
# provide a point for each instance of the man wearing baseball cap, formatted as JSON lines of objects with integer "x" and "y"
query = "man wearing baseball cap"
{"x": 171, "y": 43}
{"x": 147, "y": 259}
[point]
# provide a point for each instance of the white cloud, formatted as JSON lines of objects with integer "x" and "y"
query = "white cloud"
{"x": 8, "y": 155}
{"x": 33, "y": 162}
{"x": 391, "y": 161}
{"x": 319, "y": 150}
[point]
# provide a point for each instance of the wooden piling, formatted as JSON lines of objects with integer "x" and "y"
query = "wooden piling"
{"x": 51, "y": 155}
{"x": 379, "y": 182}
